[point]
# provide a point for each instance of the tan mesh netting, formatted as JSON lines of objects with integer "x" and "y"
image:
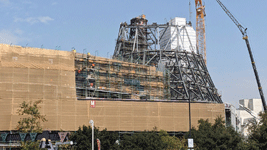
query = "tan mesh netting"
{"x": 29, "y": 74}
{"x": 140, "y": 116}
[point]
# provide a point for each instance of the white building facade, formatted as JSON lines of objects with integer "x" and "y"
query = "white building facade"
{"x": 248, "y": 111}
{"x": 181, "y": 36}
{"x": 231, "y": 117}
{"x": 241, "y": 118}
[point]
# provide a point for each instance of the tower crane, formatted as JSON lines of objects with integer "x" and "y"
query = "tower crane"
{"x": 200, "y": 29}
{"x": 245, "y": 37}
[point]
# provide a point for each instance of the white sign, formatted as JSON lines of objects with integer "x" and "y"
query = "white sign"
{"x": 92, "y": 104}
{"x": 190, "y": 143}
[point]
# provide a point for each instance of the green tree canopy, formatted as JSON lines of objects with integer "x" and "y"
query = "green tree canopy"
{"x": 216, "y": 136}
{"x": 32, "y": 121}
{"x": 83, "y": 138}
{"x": 257, "y": 138}
{"x": 147, "y": 140}
{"x": 172, "y": 142}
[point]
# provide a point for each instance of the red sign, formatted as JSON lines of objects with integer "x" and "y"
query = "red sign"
{"x": 98, "y": 144}
{"x": 62, "y": 136}
{"x": 92, "y": 104}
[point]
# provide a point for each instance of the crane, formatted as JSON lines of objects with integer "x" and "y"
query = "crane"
{"x": 245, "y": 37}
{"x": 200, "y": 29}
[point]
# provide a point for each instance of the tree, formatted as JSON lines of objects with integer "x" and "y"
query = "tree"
{"x": 172, "y": 142}
{"x": 32, "y": 123}
{"x": 83, "y": 138}
{"x": 108, "y": 140}
{"x": 147, "y": 140}
{"x": 216, "y": 136}
{"x": 29, "y": 145}
{"x": 257, "y": 139}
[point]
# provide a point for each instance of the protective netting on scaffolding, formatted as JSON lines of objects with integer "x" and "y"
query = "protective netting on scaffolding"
{"x": 140, "y": 116}
{"x": 30, "y": 74}
{"x": 98, "y": 77}
{"x": 36, "y": 73}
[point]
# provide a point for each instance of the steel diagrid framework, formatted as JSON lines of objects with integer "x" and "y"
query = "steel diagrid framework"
{"x": 141, "y": 43}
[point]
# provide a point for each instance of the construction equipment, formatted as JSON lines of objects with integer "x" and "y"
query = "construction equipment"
{"x": 245, "y": 37}
{"x": 200, "y": 29}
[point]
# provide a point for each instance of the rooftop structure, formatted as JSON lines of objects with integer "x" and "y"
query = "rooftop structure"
{"x": 142, "y": 43}
{"x": 181, "y": 34}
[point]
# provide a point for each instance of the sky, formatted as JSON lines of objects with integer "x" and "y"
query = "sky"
{"x": 92, "y": 26}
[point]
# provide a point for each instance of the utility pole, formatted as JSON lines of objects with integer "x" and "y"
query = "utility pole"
{"x": 190, "y": 139}
{"x": 92, "y": 124}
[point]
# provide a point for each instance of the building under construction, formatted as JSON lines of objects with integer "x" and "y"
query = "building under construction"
{"x": 98, "y": 77}
{"x": 142, "y": 87}
{"x": 169, "y": 48}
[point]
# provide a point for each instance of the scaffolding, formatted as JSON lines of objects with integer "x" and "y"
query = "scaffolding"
{"x": 139, "y": 43}
{"x": 98, "y": 77}
{"x": 32, "y": 74}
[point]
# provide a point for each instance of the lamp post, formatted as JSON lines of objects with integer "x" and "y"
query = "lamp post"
{"x": 96, "y": 52}
{"x": 92, "y": 124}
{"x": 189, "y": 116}
{"x": 190, "y": 139}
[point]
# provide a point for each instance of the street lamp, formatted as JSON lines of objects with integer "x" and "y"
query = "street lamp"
{"x": 190, "y": 139}
{"x": 96, "y": 52}
{"x": 92, "y": 124}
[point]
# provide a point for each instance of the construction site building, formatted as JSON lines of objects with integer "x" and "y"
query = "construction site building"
{"x": 232, "y": 118}
{"x": 98, "y": 77}
{"x": 248, "y": 111}
{"x": 58, "y": 79}
{"x": 181, "y": 34}
{"x": 171, "y": 48}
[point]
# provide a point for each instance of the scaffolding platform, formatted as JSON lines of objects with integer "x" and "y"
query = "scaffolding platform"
{"x": 98, "y": 77}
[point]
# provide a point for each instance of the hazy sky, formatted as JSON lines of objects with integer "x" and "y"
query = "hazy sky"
{"x": 93, "y": 25}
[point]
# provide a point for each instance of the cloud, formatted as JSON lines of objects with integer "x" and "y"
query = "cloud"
{"x": 54, "y": 3}
{"x": 8, "y": 37}
{"x": 33, "y": 20}
{"x": 45, "y": 19}
{"x": 27, "y": 2}
{"x": 18, "y": 31}
{"x": 12, "y": 36}
{"x": 5, "y": 2}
